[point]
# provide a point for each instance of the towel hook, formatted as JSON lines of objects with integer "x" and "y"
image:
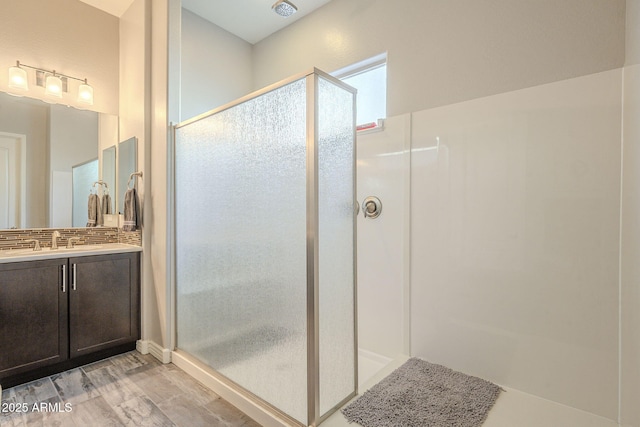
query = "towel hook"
{"x": 92, "y": 189}
{"x": 101, "y": 183}
{"x": 131, "y": 177}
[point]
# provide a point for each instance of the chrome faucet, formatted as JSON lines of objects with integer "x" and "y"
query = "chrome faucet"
{"x": 54, "y": 239}
{"x": 71, "y": 240}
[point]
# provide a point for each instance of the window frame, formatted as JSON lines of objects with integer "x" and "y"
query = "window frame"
{"x": 361, "y": 67}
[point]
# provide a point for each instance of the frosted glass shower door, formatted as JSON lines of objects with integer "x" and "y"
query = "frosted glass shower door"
{"x": 336, "y": 231}
{"x": 241, "y": 236}
{"x": 265, "y": 232}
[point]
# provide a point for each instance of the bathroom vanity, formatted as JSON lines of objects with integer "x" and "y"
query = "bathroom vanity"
{"x": 62, "y": 309}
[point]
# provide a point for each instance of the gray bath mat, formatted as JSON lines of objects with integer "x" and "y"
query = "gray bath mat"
{"x": 421, "y": 394}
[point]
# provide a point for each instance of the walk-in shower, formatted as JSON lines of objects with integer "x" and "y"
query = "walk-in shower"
{"x": 265, "y": 245}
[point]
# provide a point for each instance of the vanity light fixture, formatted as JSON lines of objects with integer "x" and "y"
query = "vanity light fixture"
{"x": 55, "y": 83}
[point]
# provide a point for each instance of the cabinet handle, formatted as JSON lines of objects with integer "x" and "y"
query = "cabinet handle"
{"x": 64, "y": 278}
{"x": 73, "y": 277}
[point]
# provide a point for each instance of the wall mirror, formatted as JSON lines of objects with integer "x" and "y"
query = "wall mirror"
{"x": 83, "y": 177}
{"x": 40, "y": 144}
{"x": 127, "y": 164}
{"x": 109, "y": 177}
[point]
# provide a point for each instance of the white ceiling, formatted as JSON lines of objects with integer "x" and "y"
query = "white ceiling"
{"x": 114, "y": 7}
{"x": 251, "y": 20}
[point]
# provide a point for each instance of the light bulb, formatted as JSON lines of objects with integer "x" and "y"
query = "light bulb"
{"x": 18, "y": 78}
{"x": 85, "y": 94}
{"x": 53, "y": 86}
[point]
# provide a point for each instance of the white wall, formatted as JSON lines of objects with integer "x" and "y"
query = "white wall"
{"x": 147, "y": 32}
{"x": 156, "y": 235}
{"x": 630, "y": 245}
{"x": 51, "y": 35}
{"x": 216, "y": 66}
{"x": 630, "y": 231}
{"x": 164, "y": 101}
{"x": 134, "y": 69}
{"x": 441, "y": 52}
{"x": 135, "y": 120}
{"x": 632, "y": 45}
{"x": 515, "y": 239}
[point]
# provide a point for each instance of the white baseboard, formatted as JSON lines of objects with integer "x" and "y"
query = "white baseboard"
{"x": 142, "y": 346}
{"x": 146, "y": 347}
{"x": 261, "y": 415}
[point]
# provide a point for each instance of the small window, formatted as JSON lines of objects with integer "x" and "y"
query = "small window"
{"x": 370, "y": 78}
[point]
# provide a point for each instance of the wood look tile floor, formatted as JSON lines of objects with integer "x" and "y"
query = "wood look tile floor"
{"x": 126, "y": 390}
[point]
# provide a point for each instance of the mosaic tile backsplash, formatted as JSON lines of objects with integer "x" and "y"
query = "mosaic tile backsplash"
{"x": 15, "y": 239}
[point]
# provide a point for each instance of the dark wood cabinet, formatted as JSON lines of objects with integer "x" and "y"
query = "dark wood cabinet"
{"x": 61, "y": 313}
{"x": 33, "y": 315}
{"x": 103, "y": 302}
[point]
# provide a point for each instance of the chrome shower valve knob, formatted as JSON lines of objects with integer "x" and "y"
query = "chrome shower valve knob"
{"x": 371, "y": 207}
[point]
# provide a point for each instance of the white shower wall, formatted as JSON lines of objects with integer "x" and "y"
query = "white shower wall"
{"x": 383, "y": 243}
{"x": 515, "y": 239}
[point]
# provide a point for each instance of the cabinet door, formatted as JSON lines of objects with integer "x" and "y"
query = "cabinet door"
{"x": 103, "y": 302}
{"x": 33, "y": 315}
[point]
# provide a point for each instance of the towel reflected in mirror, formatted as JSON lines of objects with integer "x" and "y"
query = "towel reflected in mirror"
{"x": 94, "y": 211}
